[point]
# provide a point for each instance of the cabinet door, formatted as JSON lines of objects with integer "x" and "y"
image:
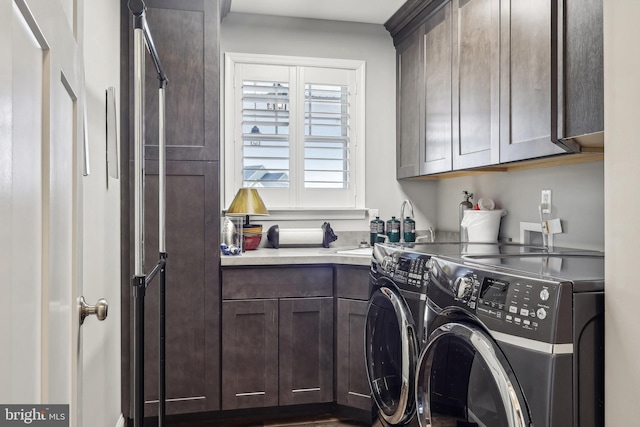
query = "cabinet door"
{"x": 476, "y": 81}
{"x": 409, "y": 106}
{"x": 525, "y": 104}
{"x": 306, "y": 350}
{"x": 351, "y": 371}
{"x": 578, "y": 73}
{"x": 435, "y": 151}
{"x": 192, "y": 288}
{"x": 187, "y": 37}
{"x": 249, "y": 353}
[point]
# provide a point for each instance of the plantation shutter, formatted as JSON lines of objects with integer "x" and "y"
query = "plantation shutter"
{"x": 326, "y": 139}
{"x": 265, "y": 134}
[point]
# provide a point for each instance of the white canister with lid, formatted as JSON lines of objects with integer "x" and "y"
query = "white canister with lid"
{"x": 482, "y": 225}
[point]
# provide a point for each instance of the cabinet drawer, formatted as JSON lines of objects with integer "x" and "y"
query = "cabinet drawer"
{"x": 352, "y": 282}
{"x": 277, "y": 282}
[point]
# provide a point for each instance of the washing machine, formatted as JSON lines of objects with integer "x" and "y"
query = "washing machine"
{"x": 513, "y": 341}
{"x": 396, "y": 329}
{"x": 395, "y": 332}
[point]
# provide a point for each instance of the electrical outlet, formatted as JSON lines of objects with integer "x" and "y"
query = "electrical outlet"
{"x": 545, "y": 201}
{"x": 373, "y": 213}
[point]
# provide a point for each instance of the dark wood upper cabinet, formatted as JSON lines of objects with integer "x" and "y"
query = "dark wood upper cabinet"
{"x": 409, "y": 106}
{"x": 435, "y": 151}
{"x": 476, "y": 83}
{"x": 525, "y": 81}
{"x": 186, "y": 36}
{"x": 578, "y": 74}
{"x": 500, "y": 81}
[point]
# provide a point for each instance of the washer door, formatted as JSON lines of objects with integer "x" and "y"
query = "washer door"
{"x": 463, "y": 376}
{"x": 391, "y": 353}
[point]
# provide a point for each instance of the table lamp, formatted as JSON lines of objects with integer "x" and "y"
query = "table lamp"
{"x": 248, "y": 202}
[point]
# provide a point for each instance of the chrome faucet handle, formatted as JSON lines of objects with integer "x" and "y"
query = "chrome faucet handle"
{"x": 431, "y": 236}
{"x": 384, "y": 236}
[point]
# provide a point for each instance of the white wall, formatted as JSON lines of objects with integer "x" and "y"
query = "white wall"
{"x": 577, "y": 197}
{"x": 101, "y": 381}
{"x": 249, "y": 33}
{"x": 622, "y": 230}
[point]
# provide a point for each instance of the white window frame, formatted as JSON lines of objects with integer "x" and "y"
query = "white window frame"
{"x": 293, "y": 202}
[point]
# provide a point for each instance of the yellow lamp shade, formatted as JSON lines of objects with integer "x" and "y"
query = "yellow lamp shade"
{"x": 247, "y": 202}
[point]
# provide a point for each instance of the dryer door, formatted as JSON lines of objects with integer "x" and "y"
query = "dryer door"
{"x": 391, "y": 353}
{"x": 463, "y": 376}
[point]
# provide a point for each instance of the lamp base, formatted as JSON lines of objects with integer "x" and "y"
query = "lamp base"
{"x": 251, "y": 236}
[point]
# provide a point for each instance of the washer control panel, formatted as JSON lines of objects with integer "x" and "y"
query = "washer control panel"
{"x": 408, "y": 270}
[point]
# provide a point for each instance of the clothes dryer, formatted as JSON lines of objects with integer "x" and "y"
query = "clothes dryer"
{"x": 513, "y": 341}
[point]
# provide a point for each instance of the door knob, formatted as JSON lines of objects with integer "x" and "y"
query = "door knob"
{"x": 100, "y": 309}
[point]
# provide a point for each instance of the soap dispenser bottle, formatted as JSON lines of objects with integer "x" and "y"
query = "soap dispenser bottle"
{"x": 464, "y": 205}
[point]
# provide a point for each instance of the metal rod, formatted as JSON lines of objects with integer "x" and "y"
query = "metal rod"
{"x": 162, "y": 393}
{"x": 138, "y": 101}
{"x": 138, "y": 287}
{"x": 138, "y": 9}
{"x": 157, "y": 269}
{"x": 162, "y": 168}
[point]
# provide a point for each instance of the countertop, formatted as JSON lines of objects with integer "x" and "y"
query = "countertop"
{"x": 293, "y": 256}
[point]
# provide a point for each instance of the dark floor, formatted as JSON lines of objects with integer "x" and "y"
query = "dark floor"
{"x": 321, "y": 421}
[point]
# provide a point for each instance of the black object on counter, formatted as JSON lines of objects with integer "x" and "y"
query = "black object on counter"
{"x": 273, "y": 236}
{"x": 328, "y": 235}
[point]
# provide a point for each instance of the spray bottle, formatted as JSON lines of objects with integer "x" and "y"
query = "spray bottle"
{"x": 464, "y": 205}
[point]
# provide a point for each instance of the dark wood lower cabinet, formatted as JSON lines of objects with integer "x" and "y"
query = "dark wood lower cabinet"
{"x": 352, "y": 292}
{"x": 306, "y": 350}
{"x": 352, "y": 388}
{"x": 277, "y": 352}
{"x": 250, "y": 354}
{"x": 277, "y": 336}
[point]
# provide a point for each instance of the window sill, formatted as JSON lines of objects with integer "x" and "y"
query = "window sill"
{"x": 315, "y": 214}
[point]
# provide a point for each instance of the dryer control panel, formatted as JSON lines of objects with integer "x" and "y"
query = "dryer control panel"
{"x": 512, "y": 304}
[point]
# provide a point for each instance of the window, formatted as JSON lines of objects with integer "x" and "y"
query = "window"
{"x": 294, "y": 128}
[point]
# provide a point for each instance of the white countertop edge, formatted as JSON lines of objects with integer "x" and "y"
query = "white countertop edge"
{"x": 292, "y": 256}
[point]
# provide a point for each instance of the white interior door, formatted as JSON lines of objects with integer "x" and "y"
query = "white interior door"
{"x": 41, "y": 149}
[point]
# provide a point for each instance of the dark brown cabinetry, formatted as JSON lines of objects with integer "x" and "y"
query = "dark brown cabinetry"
{"x": 525, "y": 81}
{"x": 409, "y": 106}
{"x": 435, "y": 151}
{"x": 250, "y": 353}
{"x": 499, "y": 81}
{"x": 352, "y": 292}
{"x": 186, "y": 37}
{"x": 277, "y": 336}
{"x": 578, "y": 74}
{"x": 476, "y": 71}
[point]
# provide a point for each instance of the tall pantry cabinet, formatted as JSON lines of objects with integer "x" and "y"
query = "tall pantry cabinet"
{"x": 186, "y": 36}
